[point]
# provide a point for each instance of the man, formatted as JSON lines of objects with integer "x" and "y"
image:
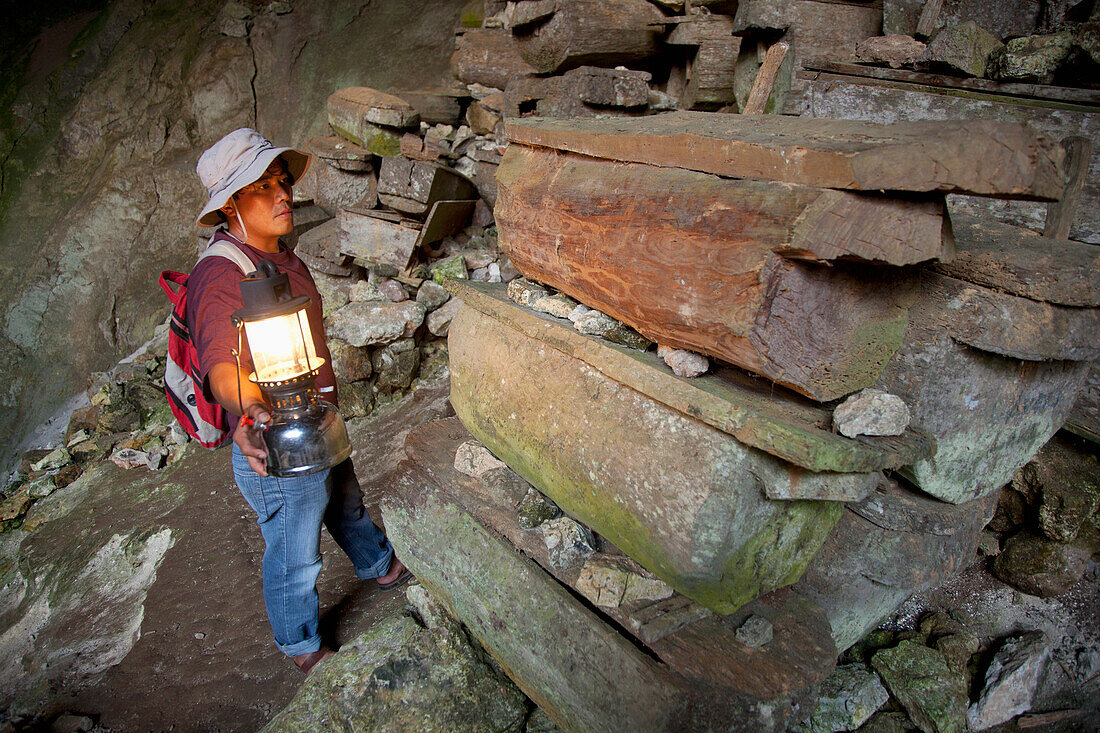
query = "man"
{"x": 249, "y": 183}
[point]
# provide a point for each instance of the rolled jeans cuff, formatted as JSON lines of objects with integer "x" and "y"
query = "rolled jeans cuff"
{"x": 379, "y": 568}
{"x": 306, "y": 646}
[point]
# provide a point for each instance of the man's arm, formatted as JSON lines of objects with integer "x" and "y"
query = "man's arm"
{"x": 224, "y": 378}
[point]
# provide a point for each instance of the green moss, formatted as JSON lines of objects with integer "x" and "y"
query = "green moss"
{"x": 473, "y": 15}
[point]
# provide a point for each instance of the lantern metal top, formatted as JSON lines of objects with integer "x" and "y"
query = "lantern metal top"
{"x": 266, "y": 293}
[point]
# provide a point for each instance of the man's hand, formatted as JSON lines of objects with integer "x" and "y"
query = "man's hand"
{"x": 249, "y": 438}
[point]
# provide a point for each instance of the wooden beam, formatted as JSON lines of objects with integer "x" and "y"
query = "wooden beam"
{"x": 690, "y": 260}
{"x": 974, "y": 156}
{"x": 1019, "y": 261}
{"x": 1060, "y": 213}
{"x": 765, "y": 78}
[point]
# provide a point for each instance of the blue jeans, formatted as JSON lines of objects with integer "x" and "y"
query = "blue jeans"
{"x": 290, "y": 512}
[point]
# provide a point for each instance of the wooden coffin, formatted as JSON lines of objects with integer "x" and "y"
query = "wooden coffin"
{"x": 728, "y": 268}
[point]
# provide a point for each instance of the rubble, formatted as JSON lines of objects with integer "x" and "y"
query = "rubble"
{"x": 1033, "y": 58}
{"x": 684, "y": 363}
{"x": 848, "y": 698}
{"x": 474, "y": 459}
{"x": 918, "y": 677}
{"x": 871, "y": 412}
{"x": 966, "y": 48}
{"x": 1039, "y": 566}
{"x": 897, "y": 50}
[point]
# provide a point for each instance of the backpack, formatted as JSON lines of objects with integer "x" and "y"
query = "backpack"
{"x": 204, "y": 420}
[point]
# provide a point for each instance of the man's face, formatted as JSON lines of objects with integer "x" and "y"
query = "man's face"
{"x": 266, "y": 205}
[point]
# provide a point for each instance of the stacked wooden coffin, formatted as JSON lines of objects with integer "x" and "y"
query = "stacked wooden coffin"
{"x": 739, "y": 542}
{"x": 388, "y": 205}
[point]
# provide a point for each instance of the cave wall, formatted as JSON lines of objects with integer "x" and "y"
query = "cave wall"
{"x": 102, "y": 118}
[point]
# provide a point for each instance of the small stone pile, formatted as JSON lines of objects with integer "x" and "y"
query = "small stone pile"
{"x": 1010, "y": 43}
{"x": 126, "y": 420}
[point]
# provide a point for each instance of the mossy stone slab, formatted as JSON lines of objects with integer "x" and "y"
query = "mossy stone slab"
{"x": 686, "y": 501}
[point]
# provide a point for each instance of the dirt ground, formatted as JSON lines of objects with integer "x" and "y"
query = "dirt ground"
{"x": 205, "y": 659}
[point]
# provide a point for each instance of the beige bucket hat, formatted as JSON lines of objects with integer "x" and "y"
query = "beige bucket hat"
{"x": 237, "y": 160}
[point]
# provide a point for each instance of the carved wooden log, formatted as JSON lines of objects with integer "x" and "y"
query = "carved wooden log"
{"x": 710, "y": 73}
{"x": 977, "y": 156}
{"x": 690, "y": 260}
{"x": 579, "y": 32}
{"x": 581, "y": 92}
{"x": 887, "y": 547}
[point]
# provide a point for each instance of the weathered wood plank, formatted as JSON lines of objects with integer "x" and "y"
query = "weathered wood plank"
{"x": 444, "y": 219}
{"x": 594, "y": 679}
{"x": 592, "y": 32}
{"x": 1061, "y": 212}
{"x": 688, "y": 259}
{"x": 1039, "y": 91}
{"x": 1084, "y": 418}
{"x": 696, "y": 30}
{"x": 976, "y": 156}
{"x": 412, "y": 186}
{"x": 782, "y": 424}
{"x": 1022, "y": 262}
{"x": 373, "y": 239}
{"x": 849, "y": 97}
{"x": 684, "y": 500}
{"x": 1018, "y": 327}
{"x": 765, "y": 78}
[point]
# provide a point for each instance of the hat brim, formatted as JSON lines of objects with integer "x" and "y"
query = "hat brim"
{"x": 297, "y": 163}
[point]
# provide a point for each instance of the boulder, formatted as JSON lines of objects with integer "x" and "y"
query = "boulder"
{"x": 526, "y": 292}
{"x": 474, "y": 459}
{"x": 1041, "y": 567}
{"x": 535, "y": 509}
{"x": 1011, "y": 681}
{"x": 356, "y": 398}
{"x": 683, "y": 363}
{"x": 848, "y": 698}
{"x": 396, "y": 365}
{"x": 1031, "y": 58}
{"x": 439, "y": 320}
{"x": 918, "y": 678}
{"x": 965, "y": 47}
{"x": 431, "y": 295}
{"x": 373, "y": 323}
{"x": 608, "y": 456}
{"x": 568, "y": 542}
{"x": 350, "y": 363}
{"x": 896, "y": 49}
{"x": 402, "y": 676}
{"x": 1063, "y": 485}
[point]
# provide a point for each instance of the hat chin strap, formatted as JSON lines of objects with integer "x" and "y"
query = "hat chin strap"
{"x": 241, "y": 222}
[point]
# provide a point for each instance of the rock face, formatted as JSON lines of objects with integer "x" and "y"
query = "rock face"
{"x": 81, "y": 595}
{"x": 105, "y": 202}
{"x": 1011, "y": 681}
{"x": 715, "y": 539}
{"x": 402, "y": 676}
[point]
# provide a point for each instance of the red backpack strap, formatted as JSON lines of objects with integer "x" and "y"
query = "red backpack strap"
{"x": 175, "y": 278}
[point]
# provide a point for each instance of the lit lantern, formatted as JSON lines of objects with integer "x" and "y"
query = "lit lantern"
{"x": 306, "y": 434}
